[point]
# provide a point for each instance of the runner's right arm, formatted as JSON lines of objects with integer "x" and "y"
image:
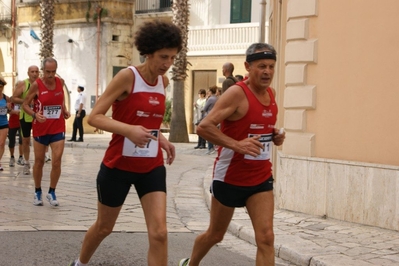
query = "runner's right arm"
{"x": 17, "y": 95}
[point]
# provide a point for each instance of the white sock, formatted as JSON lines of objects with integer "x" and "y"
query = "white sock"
{"x": 26, "y": 162}
{"x": 78, "y": 263}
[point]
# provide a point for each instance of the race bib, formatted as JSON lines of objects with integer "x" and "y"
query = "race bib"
{"x": 266, "y": 140}
{"x": 150, "y": 150}
{"x": 3, "y": 110}
{"x": 52, "y": 111}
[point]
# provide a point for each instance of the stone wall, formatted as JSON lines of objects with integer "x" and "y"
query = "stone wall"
{"x": 349, "y": 191}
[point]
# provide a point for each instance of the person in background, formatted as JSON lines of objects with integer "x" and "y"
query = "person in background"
{"x": 25, "y": 120}
{"x": 14, "y": 128}
{"x": 242, "y": 174}
{"x": 210, "y": 103}
{"x": 198, "y": 107}
{"x": 4, "y": 109}
{"x": 239, "y": 78}
{"x": 48, "y": 127}
{"x": 227, "y": 70}
{"x": 80, "y": 108}
{"x": 218, "y": 92}
{"x": 134, "y": 156}
{"x": 47, "y": 157}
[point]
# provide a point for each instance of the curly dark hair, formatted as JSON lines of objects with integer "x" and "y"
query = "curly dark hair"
{"x": 156, "y": 35}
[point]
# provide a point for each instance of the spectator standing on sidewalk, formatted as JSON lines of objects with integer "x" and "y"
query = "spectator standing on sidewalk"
{"x": 242, "y": 174}
{"x": 4, "y": 109}
{"x": 48, "y": 128}
{"x": 228, "y": 69}
{"x": 25, "y": 120}
{"x": 210, "y": 102}
{"x": 198, "y": 107}
{"x": 80, "y": 108}
{"x": 13, "y": 123}
{"x": 134, "y": 156}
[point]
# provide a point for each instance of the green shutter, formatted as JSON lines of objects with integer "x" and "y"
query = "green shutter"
{"x": 240, "y": 11}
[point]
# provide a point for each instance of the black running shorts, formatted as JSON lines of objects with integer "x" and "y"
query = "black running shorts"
{"x": 237, "y": 196}
{"x": 114, "y": 184}
{"x": 26, "y": 128}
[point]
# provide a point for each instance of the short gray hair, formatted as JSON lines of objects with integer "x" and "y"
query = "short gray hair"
{"x": 48, "y": 59}
{"x": 256, "y": 47}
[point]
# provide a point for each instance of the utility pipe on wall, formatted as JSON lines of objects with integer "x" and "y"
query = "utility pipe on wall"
{"x": 13, "y": 41}
{"x": 262, "y": 22}
{"x": 99, "y": 9}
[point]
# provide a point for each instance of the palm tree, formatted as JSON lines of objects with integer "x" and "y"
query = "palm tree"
{"x": 47, "y": 28}
{"x": 178, "y": 125}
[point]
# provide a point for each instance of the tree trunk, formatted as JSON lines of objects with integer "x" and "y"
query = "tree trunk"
{"x": 47, "y": 28}
{"x": 178, "y": 125}
{"x": 178, "y": 128}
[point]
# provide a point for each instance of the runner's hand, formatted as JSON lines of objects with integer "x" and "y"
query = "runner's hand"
{"x": 278, "y": 138}
{"x": 251, "y": 146}
{"x": 40, "y": 117}
{"x": 140, "y": 136}
{"x": 170, "y": 150}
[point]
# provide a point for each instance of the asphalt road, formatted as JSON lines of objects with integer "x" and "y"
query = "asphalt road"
{"x": 59, "y": 248}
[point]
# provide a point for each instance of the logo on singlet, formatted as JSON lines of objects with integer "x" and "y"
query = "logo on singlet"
{"x": 257, "y": 126}
{"x": 267, "y": 113}
{"x": 142, "y": 114}
{"x": 153, "y": 100}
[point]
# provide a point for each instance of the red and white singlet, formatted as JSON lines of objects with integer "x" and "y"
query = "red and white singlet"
{"x": 50, "y": 103}
{"x": 244, "y": 170}
{"x": 144, "y": 106}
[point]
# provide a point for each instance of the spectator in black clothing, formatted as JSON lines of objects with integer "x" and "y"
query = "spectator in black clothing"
{"x": 228, "y": 69}
{"x": 239, "y": 77}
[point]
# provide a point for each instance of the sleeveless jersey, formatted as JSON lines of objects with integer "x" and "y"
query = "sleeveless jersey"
{"x": 244, "y": 170}
{"x": 3, "y": 111}
{"x": 50, "y": 103}
{"x": 13, "y": 120}
{"x": 144, "y": 106}
{"x": 22, "y": 114}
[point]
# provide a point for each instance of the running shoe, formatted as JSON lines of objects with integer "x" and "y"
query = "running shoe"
{"x": 47, "y": 158}
{"x": 73, "y": 263}
{"x": 37, "y": 200}
{"x": 20, "y": 160}
{"x": 12, "y": 162}
{"x": 52, "y": 199}
{"x": 184, "y": 262}
{"x": 26, "y": 168}
{"x": 1, "y": 168}
{"x": 211, "y": 151}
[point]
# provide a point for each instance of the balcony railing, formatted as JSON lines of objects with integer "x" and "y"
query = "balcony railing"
{"x": 222, "y": 39}
{"x": 5, "y": 13}
{"x": 153, "y": 6}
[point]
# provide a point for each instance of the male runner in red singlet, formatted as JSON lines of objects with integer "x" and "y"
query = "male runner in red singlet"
{"x": 242, "y": 174}
{"x": 134, "y": 156}
{"x": 48, "y": 127}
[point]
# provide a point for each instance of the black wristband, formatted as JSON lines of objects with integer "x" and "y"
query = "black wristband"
{"x": 34, "y": 115}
